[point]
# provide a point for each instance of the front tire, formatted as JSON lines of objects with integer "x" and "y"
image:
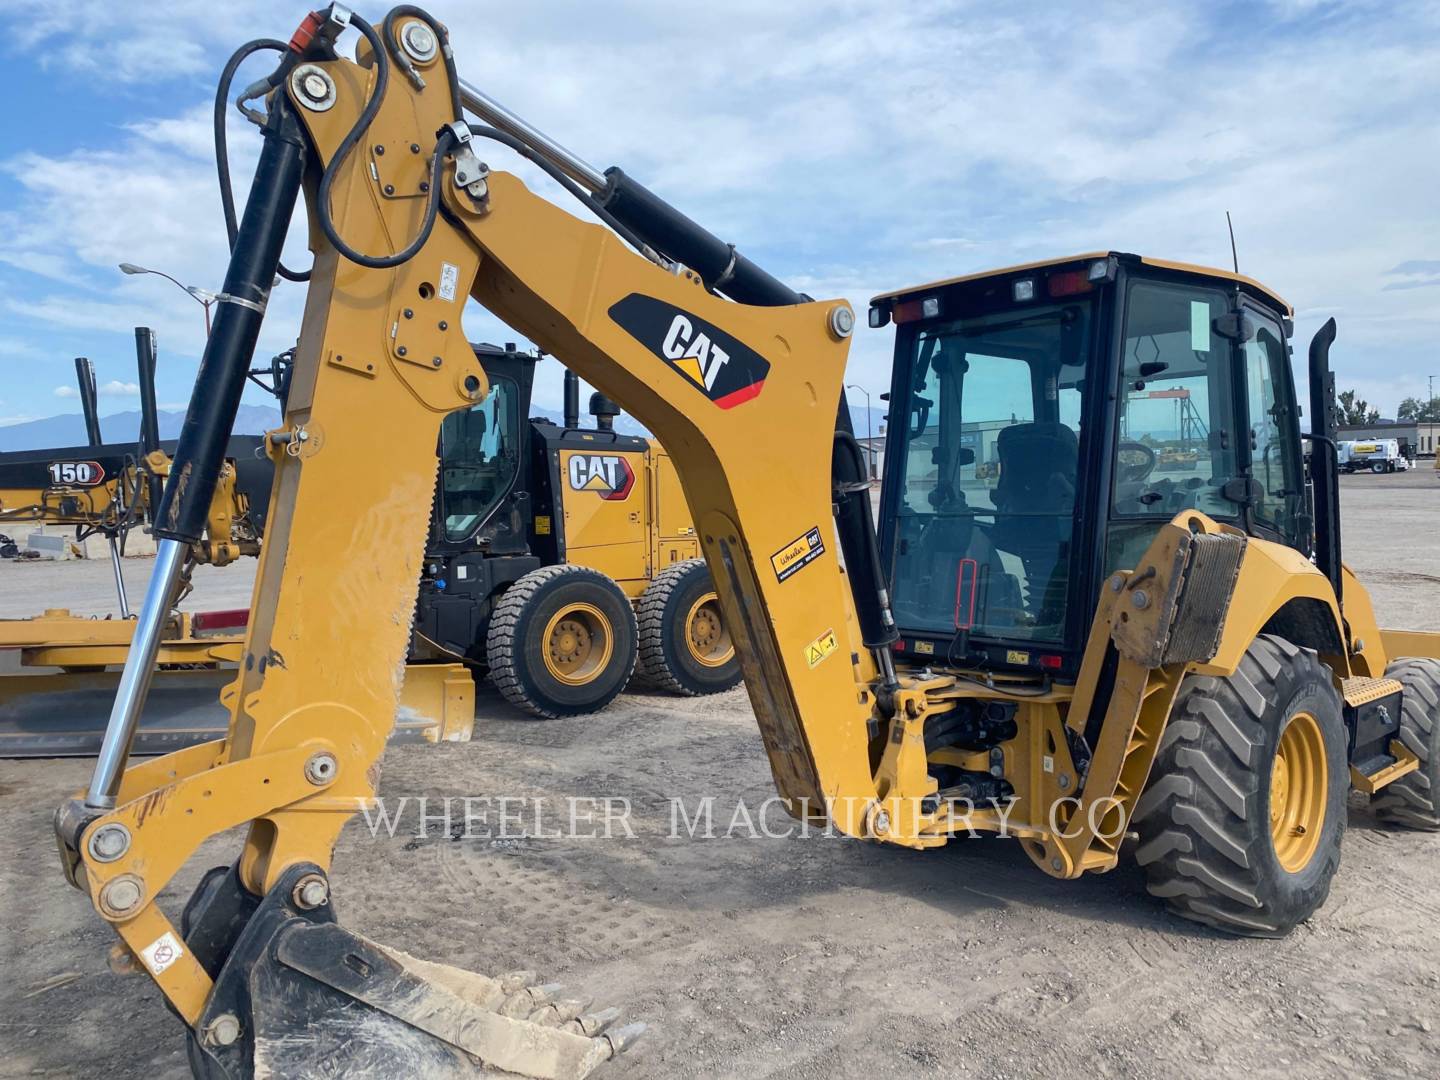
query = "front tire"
{"x": 1410, "y": 801}
{"x": 1241, "y": 824}
{"x": 562, "y": 642}
{"x": 685, "y": 646}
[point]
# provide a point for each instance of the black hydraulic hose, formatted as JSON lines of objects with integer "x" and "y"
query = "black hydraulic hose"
{"x": 222, "y": 142}
{"x": 358, "y": 130}
{"x": 441, "y": 36}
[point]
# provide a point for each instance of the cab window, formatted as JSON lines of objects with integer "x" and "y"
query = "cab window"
{"x": 1176, "y": 446}
{"x": 478, "y": 460}
{"x": 983, "y": 537}
{"x": 1273, "y": 430}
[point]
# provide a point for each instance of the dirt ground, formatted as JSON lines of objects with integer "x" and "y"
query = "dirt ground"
{"x": 787, "y": 957}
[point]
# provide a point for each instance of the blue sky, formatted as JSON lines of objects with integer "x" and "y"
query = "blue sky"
{"x": 848, "y": 147}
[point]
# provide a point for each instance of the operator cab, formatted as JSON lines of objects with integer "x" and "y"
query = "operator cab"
{"x": 1047, "y": 419}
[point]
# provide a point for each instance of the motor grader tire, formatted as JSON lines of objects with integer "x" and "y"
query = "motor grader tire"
{"x": 1241, "y": 823}
{"x": 684, "y": 645}
{"x": 562, "y": 642}
{"x": 1410, "y": 801}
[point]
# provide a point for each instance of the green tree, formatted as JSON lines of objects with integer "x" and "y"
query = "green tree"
{"x": 1427, "y": 412}
{"x": 1355, "y": 409}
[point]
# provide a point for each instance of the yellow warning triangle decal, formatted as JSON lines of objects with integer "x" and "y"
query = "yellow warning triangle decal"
{"x": 690, "y": 368}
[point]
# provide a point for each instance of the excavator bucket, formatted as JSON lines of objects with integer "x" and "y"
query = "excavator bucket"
{"x": 296, "y": 994}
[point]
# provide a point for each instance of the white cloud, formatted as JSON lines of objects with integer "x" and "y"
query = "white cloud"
{"x": 846, "y": 151}
{"x": 116, "y": 388}
{"x": 66, "y": 392}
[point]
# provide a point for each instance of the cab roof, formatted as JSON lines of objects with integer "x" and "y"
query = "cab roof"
{"x": 1164, "y": 264}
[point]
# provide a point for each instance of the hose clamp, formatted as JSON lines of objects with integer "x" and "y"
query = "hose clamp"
{"x": 253, "y": 305}
{"x": 471, "y": 174}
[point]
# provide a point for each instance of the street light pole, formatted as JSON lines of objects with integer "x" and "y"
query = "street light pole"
{"x": 869, "y": 434}
{"x": 203, "y": 297}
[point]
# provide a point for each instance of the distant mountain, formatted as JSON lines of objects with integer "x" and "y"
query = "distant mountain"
{"x": 123, "y": 426}
{"x": 69, "y": 430}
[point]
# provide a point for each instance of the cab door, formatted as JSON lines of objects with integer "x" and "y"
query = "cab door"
{"x": 1272, "y": 442}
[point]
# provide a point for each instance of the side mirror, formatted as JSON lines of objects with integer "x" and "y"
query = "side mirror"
{"x": 1235, "y": 326}
{"x": 1153, "y": 367}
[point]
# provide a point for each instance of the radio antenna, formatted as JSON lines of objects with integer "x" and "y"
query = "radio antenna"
{"x": 1234, "y": 259}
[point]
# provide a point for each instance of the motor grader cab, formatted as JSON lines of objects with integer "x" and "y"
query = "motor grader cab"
{"x": 1077, "y": 649}
{"x": 562, "y": 558}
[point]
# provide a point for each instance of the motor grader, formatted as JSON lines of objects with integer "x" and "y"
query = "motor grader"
{"x": 108, "y": 489}
{"x": 561, "y": 560}
{"x": 1066, "y": 647}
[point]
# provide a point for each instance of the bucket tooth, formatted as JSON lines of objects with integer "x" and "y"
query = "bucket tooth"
{"x": 595, "y": 1023}
{"x": 454, "y": 1007}
{"x": 559, "y": 1012}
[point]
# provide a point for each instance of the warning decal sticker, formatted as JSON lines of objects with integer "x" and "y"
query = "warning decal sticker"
{"x": 161, "y": 953}
{"x": 821, "y": 647}
{"x": 798, "y": 554}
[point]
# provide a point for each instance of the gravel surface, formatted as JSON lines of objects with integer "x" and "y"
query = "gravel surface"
{"x": 775, "y": 957}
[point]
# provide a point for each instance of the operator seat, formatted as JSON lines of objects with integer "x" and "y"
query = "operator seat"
{"x": 1034, "y": 504}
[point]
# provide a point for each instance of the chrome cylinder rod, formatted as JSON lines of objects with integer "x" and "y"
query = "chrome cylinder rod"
{"x": 498, "y": 116}
{"x": 119, "y": 578}
{"x": 135, "y": 679}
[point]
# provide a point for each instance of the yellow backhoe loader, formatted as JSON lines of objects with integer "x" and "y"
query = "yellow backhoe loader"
{"x": 1062, "y": 646}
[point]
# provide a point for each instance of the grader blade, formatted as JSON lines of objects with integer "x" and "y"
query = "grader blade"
{"x": 296, "y": 994}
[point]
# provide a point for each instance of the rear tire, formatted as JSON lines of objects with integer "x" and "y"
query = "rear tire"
{"x": 1410, "y": 801}
{"x": 562, "y": 642}
{"x": 684, "y": 645}
{"x": 1378, "y": 467}
{"x": 1250, "y": 769}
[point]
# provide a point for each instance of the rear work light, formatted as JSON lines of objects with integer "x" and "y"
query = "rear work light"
{"x": 1069, "y": 283}
{"x": 1023, "y": 290}
{"x": 927, "y": 307}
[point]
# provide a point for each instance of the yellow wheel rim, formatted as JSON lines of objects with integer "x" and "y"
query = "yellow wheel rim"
{"x": 578, "y": 644}
{"x": 705, "y": 634}
{"x": 1299, "y": 786}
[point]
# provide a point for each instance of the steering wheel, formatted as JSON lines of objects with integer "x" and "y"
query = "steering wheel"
{"x": 1134, "y": 461}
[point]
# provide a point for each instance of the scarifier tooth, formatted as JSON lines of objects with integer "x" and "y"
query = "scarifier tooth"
{"x": 516, "y": 980}
{"x": 595, "y": 1023}
{"x": 622, "y": 1038}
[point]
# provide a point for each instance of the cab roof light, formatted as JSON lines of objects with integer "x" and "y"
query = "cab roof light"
{"x": 879, "y": 316}
{"x": 927, "y": 307}
{"x": 1022, "y": 290}
{"x": 1069, "y": 283}
{"x": 1103, "y": 270}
